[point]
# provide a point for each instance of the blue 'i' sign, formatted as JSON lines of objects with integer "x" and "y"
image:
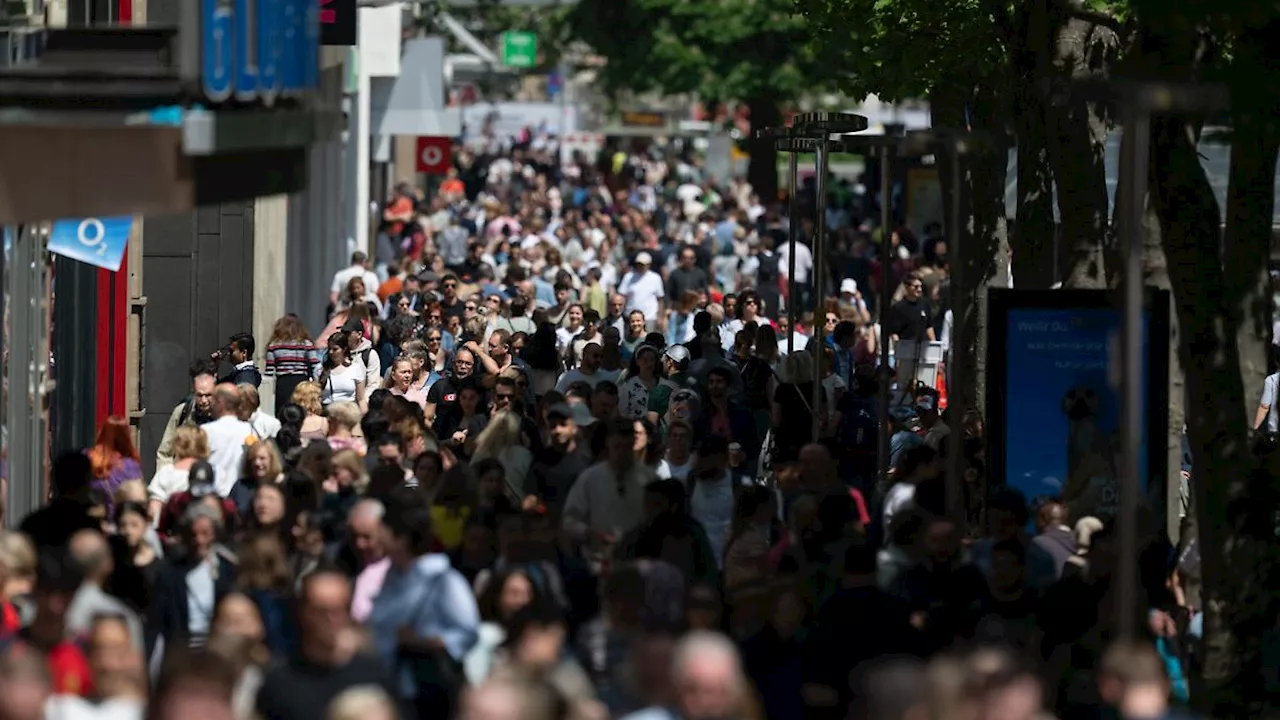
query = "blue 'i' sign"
{"x": 291, "y": 54}
{"x": 270, "y": 48}
{"x": 218, "y": 48}
{"x": 246, "y": 50}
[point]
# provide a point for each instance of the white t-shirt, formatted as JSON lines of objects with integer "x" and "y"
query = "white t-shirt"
{"x": 804, "y": 261}
{"x": 74, "y": 707}
{"x": 572, "y": 376}
{"x": 898, "y": 497}
{"x": 643, "y": 292}
{"x": 168, "y": 481}
{"x": 343, "y": 276}
{"x": 1270, "y": 387}
{"x": 227, "y": 437}
{"x": 341, "y": 384}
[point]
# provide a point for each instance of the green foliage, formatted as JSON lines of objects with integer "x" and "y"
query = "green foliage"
{"x": 720, "y": 49}
{"x": 901, "y": 49}
{"x": 488, "y": 20}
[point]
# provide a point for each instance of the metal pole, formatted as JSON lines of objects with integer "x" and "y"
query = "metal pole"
{"x": 882, "y": 313}
{"x": 819, "y": 270}
{"x": 1137, "y": 149}
{"x": 956, "y": 355}
{"x": 793, "y": 237}
{"x": 24, "y": 411}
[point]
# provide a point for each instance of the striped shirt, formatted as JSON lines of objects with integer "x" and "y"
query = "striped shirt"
{"x": 292, "y": 358}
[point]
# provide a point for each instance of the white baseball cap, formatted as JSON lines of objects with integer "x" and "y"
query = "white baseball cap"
{"x": 644, "y": 258}
{"x": 848, "y": 286}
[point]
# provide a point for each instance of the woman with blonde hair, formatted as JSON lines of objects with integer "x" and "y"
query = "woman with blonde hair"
{"x": 503, "y": 440}
{"x": 190, "y": 445}
{"x": 363, "y": 702}
{"x": 17, "y": 577}
{"x": 261, "y": 465}
{"x": 344, "y": 421}
{"x": 349, "y": 472}
{"x": 315, "y": 426}
{"x": 401, "y": 382}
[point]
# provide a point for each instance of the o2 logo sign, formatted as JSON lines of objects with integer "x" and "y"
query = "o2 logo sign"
{"x": 259, "y": 50}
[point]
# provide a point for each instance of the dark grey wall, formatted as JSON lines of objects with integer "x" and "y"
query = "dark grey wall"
{"x": 197, "y": 276}
{"x": 317, "y": 235}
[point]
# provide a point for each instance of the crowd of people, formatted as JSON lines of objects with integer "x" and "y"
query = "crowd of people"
{"x": 556, "y": 455}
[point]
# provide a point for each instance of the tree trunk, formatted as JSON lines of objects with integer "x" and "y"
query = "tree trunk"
{"x": 1250, "y": 203}
{"x": 762, "y": 169}
{"x": 1077, "y": 141}
{"x": 986, "y": 264}
{"x": 1033, "y": 246}
{"x": 1155, "y": 273}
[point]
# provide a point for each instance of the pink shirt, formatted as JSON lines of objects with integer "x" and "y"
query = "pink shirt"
{"x": 415, "y": 394}
{"x": 368, "y": 585}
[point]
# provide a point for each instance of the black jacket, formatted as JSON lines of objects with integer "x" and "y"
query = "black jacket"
{"x": 248, "y": 375}
{"x": 170, "y": 605}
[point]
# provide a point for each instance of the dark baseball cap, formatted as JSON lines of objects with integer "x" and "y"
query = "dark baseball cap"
{"x": 200, "y": 481}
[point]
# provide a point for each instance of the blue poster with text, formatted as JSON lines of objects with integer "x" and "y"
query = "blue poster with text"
{"x": 1062, "y": 412}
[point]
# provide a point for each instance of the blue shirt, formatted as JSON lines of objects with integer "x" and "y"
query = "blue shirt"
{"x": 435, "y": 601}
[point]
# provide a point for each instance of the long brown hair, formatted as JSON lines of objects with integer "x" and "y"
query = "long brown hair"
{"x": 289, "y": 330}
{"x": 264, "y": 564}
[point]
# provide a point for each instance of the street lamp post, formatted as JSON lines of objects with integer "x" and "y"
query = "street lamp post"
{"x": 886, "y": 147}
{"x": 1137, "y": 102}
{"x": 822, "y": 126}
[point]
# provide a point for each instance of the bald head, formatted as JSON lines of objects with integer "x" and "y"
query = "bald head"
{"x": 226, "y": 399}
{"x": 364, "y": 521}
{"x": 816, "y": 468}
{"x": 89, "y": 550}
{"x": 707, "y": 673}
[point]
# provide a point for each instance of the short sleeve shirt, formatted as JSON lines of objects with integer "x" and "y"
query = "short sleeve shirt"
{"x": 1270, "y": 387}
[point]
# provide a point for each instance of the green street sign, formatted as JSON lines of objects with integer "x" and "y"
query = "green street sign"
{"x": 519, "y": 49}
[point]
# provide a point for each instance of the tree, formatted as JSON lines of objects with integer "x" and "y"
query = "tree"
{"x": 1222, "y": 299}
{"x": 750, "y": 51}
{"x": 959, "y": 56}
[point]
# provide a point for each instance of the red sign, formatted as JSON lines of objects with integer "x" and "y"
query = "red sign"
{"x": 435, "y": 155}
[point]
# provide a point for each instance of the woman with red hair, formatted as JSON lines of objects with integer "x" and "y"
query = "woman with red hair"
{"x": 114, "y": 459}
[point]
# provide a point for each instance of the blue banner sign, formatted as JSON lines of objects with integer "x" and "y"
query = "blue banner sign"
{"x": 97, "y": 241}
{"x": 256, "y": 50}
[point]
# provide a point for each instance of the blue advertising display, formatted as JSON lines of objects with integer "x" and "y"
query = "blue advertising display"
{"x": 97, "y": 241}
{"x": 270, "y": 48}
{"x": 1056, "y": 414}
{"x": 218, "y": 34}
{"x": 259, "y": 49}
{"x": 248, "y": 36}
{"x": 291, "y": 55}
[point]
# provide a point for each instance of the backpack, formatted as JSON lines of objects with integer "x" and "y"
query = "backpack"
{"x": 859, "y": 429}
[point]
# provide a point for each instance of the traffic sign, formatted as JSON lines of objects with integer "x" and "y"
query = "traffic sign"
{"x": 519, "y": 49}
{"x": 97, "y": 241}
{"x": 434, "y": 155}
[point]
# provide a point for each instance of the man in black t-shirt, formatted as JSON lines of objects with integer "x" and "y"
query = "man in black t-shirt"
{"x": 327, "y": 663}
{"x": 442, "y": 399}
{"x": 910, "y": 328}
